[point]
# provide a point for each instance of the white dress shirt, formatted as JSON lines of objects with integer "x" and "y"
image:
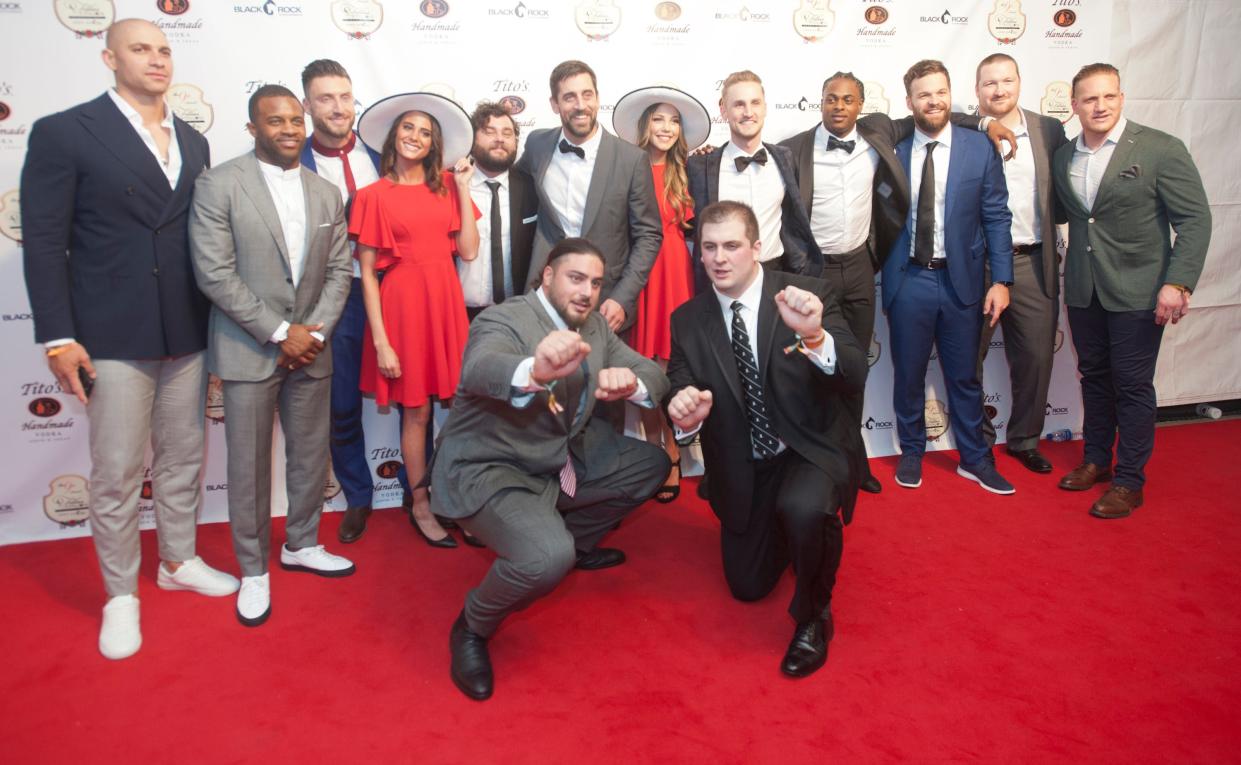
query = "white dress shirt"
{"x": 844, "y": 186}
{"x": 1087, "y": 166}
{"x": 364, "y": 174}
{"x": 760, "y": 187}
{"x": 916, "y": 159}
{"x": 170, "y": 167}
{"x": 567, "y": 181}
{"x": 289, "y": 198}
{"x": 823, "y": 357}
{"x": 1022, "y": 189}
{"x": 475, "y": 274}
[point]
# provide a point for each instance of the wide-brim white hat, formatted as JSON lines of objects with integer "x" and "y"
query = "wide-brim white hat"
{"x": 695, "y": 119}
{"x": 454, "y": 123}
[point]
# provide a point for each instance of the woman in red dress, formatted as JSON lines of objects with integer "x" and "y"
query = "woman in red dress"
{"x": 408, "y": 225}
{"x": 667, "y": 122}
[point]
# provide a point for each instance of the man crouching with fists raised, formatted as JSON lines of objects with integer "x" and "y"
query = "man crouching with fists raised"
{"x": 762, "y": 363}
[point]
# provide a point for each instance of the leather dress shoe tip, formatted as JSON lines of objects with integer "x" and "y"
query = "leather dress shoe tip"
{"x": 871, "y": 485}
{"x": 471, "y": 661}
{"x": 353, "y": 525}
{"x": 448, "y": 524}
{"x": 1084, "y": 476}
{"x": 1031, "y": 459}
{"x": 447, "y": 542}
{"x": 472, "y": 540}
{"x": 808, "y": 649}
{"x": 1117, "y": 502}
{"x": 600, "y": 557}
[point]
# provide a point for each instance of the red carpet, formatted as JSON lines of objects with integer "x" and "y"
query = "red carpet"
{"x": 969, "y": 627}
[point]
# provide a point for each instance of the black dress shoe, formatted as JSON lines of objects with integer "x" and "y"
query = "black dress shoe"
{"x": 447, "y": 523}
{"x": 472, "y": 540}
{"x": 1032, "y": 459}
{"x": 600, "y": 557}
{"x": 446, "y": 542}
{"x": 871, "y": 485}
{"x": 353, "y": 524}
{"x": 471, "y": 663}
{"x": 808, "y": 650}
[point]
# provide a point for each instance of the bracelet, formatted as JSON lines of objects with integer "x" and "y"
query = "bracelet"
{"x": 814, "y": 344}
{"x": 1181, "y": 288}
{"x": 58, "y": 350}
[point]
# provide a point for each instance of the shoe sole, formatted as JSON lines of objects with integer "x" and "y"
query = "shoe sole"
{"x": 174, "y": 587}
{"x": 899, "y": 482}
{"x": 256, "y": 621}
{"x": 350, "y": 540}
{"x": 1111, "y": 516}
{"x": 806, "y": 672}
{"x": 321, "y": 572}
{"x": 966, "y": 474}
{"x": 470, "y": 694}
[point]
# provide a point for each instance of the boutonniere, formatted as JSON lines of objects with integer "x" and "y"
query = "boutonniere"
{"x": 1131, "y": 172}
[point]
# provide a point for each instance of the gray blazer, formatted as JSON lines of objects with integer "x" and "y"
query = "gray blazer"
{"x": 621, "y": 216}
{"x": 242, "y": 265}
{"x": 489, "y": 444}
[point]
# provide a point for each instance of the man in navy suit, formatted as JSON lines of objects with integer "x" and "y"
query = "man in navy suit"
{"x": 933, "y": 278}
{"x": 760, "y": 175}
{"x": 105, "y": 197}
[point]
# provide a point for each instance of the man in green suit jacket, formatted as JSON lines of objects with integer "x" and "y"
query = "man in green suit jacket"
{"x": 1124, "y": 188}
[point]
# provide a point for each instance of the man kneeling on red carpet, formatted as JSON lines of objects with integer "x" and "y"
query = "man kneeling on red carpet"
{"x": 763, "y": 364}
{"x": 522, "y": 465}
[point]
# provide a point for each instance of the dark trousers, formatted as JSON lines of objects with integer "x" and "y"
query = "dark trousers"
{"x": 926, "y": 311}
{"x": 1116, "y": 353}
{"x": 536, "y": 536}
{"x": 1029, "y": 345}
{"x": 794, "y": 521}
{"x": 854, "y": 275}
{"x": 348, "y": 444}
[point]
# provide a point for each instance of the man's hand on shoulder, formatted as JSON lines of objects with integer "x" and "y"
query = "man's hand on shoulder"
{"x": 999, "y": 134}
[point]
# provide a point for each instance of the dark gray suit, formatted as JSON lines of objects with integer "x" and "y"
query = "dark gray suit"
{"x": 242, "y": 264}
{"x": 498, "y": 460}
{"x": 1034, "y": 308}
{"x": 621, "y": 216}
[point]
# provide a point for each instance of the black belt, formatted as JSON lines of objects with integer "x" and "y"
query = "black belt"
{"x": 935, "y": 265}
{"x": 1026, "y": 249}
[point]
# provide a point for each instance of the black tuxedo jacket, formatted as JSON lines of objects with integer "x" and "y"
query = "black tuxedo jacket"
{"x": 806, "y": 406}
{"x": 801, "y": 254}
{"x": 882, "y": 133}
{"x": 523, "y": 211}
{"x": 106, "y": 243}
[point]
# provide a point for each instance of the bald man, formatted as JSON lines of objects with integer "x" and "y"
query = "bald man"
{"x": 105, "y": 200}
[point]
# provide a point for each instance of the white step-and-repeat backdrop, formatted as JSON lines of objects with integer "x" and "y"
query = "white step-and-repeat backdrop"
{"x": 473, "y": 51}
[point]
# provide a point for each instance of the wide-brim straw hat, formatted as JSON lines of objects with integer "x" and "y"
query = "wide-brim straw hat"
{"x": 695, "y": 119}
{"x": 454, "y": 123}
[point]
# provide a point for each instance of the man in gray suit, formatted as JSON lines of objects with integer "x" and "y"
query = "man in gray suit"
{"x": 520, "y": 462}
{"x": 1034, "y": 307}
{"x": 593, "y": 185}
{"x": 269, "y": 246}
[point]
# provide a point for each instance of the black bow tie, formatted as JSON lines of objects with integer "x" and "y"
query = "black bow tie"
{"x": 835, "y": 143}
{"x": 568, "y": 148}
{"x": 743, "y": 162}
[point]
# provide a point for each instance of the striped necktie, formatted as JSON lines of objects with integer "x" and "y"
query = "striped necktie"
{"x": 762, "y": 433}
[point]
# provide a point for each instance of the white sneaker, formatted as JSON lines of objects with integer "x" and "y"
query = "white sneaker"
{"x": 120, "y": 637}
{"x": 254, "y": 600}
{"x": 315, "y": 560}
{"x": 196, "y": 576}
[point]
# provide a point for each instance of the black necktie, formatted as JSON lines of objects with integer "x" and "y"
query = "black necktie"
{"x": 835, "y": 143}
{"x": 743, "y": 162}
{"x": 924, "y": 236}
{"x": 568, "y": 148}
{"x": 762, "y": 433}
{"x": 497, "y": 247}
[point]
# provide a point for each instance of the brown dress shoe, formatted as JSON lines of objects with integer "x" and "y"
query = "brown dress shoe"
{"x": 1084, "y": 476}
{"x": 353, "y": 524}
{"x": 1117, "y": 502}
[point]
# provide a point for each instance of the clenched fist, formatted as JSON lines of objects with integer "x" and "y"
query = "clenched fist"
{"x": 557, "y": 355}
{"x": 616, "y": 383}
{"x": 801, "y": 311}
{"x": 689, "y": 407}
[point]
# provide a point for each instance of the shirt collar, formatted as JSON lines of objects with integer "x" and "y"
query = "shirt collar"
{"x": 732, "y": 150}
{"x": 1113, "y": 137}
{"x": 479, "y": 180}
{"x": 750, "y": 298}
{"x": 944, "y": 138}
{"x": 132, "y": 114}
{"x": 821, "y": 133}
{"x": 591, "y": 147}
{"x": 557, "y": 319}
{"x": 277, "y": 173}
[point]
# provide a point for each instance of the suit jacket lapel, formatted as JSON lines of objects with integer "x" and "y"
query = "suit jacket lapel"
{"x": 713, "y": 173}
{"x": 254, "y": 187}
{"x": 712, "y": 319}
{"x": 190, "y": 162}
{"x": 519, "y": 261}
{"x": 767, "y": 322}
{"x": 599, "y": 179}
{"x": 1060, "y": 169}
{"x": 805, "y": 168}
{"x": 1118, "y": 162}
{"x": 307, "y": 289}
{"x": 545, "y": 322}
{"x": 118, "y": 136}
{"x": 1042, "y": 157}
{"x": 956, "y": 161}
{"x": 544, "y": 158}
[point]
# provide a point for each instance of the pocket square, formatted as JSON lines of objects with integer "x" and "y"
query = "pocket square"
{"x": 884, "y": 189}
{"x": 324, "y": 225}
{"x": 531, "y": 219}
{"x": 1132, "y": 172}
